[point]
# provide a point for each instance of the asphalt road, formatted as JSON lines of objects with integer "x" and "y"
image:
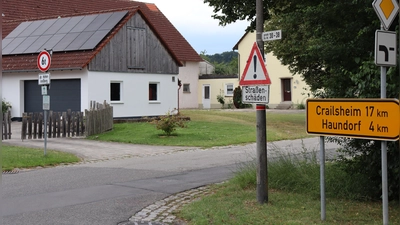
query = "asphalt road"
{"x": 110, "y": 192}
{"x": 118, "y": 180}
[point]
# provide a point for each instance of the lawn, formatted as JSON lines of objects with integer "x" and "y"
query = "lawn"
{"x": 208, "y": 128}
{"x": 20, "y": 157}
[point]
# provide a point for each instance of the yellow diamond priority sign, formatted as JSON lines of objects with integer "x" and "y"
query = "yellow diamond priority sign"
{"x": 386, "y": 11}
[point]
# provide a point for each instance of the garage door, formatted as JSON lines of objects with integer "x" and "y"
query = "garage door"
{"x": 64, "y": 94}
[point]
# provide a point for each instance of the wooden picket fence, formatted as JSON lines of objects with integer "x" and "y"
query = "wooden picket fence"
{"x": 68, "y": 124}
{"x": 59, "y": 124}
{"x": 6, "y": 126}
{"x": 99, "y": 118}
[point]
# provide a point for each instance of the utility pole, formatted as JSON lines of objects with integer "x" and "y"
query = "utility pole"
{"x": 262, "y": 167}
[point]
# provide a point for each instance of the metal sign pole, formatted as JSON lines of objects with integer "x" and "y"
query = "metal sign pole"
{"x": 385, "y": 201}
{"x": 322, "y": 176}
{"x": 43, "y": 63}
{"x": 45, "y": 131}
{"x": 386, "y": 15}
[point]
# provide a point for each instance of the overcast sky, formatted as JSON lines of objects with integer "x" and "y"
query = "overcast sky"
{"x": 193, "y": 20}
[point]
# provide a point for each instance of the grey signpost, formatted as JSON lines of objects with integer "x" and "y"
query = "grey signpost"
{"x": 255, "y": 83}
{"x": 385, "y": 56}
{"x": 255, "y": 89}
{"x": 43, "y": 63}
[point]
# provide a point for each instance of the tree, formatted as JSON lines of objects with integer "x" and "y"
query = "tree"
{"x": 230, "y": 11}
{"x": 225, "y": 63}
{"x": 331, "y": 45}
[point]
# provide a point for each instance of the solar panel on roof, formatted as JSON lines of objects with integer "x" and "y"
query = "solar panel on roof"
{"x": 50, "y": 43}
{"x": 18, "y": 30}
{"x": 56, "y": 26}
{"x": 43, "y": 27}
{"x": 65, "y": 41}
{"x": 30, "y": 29}
{"x": 13, "y": 45}
{"x": 6, "y": 41}
{"x": 80, "y": 40}
{"x": 79, "y": 27}
{"x": 112, "y": 20}
{"x": 94, "y": 39}
{"x": 96, "y": 24}
{"x": 24, "y": 45}
{"x": 62, "y": 34}
{"x": 37, "y": 45}
{"x": 72, "y": 21}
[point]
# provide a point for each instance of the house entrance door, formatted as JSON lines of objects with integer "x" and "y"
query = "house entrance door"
{"x": 286, "y": 89}
{"x": 206, "y": 96}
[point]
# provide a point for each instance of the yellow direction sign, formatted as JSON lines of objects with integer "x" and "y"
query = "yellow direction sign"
{"x": 358, "y": 118}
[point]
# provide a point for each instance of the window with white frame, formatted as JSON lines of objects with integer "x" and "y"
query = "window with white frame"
{"x": 228, "y": 89}
{"x": 153, "y": 92}
{"x": 115, "y": 91}
{"x": 186, "y": 88}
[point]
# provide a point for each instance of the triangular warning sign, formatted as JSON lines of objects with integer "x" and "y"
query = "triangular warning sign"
{"x": 255, "y": 72}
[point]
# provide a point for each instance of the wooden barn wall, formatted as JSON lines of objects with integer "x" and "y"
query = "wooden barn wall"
{"x": 136, "y": 49}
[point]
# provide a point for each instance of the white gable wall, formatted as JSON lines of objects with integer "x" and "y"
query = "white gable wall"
{"x": 189, "y": 74}
{"x": 13, "y": 87}
{"x": 96, "y": 86}
{"x": 135, "y": 93}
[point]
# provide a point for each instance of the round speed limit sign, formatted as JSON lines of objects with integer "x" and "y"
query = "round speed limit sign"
{"x": 43, "y": 61}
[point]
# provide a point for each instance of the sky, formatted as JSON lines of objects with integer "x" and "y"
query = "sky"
{"x": 192, "y": 18}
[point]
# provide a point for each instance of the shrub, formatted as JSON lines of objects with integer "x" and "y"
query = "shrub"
{"x": 301, "y": 106}
{"x": 237, "y": 99}
{"x": 221, "y": 98}
{"x": 230, "y": 103}
{"x": 5, "y": 106}
{"x": 168, "y": 123}
{"x": 365, "y": 167}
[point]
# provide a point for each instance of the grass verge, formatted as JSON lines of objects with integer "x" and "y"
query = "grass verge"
{"x": 293, "y": 197}
{"x": 20, "y": 157}
{"x": 233, "y": 205}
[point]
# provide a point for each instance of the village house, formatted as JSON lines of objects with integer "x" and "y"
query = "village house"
{"x": 286, "y": 90}
{"x": 125, "y": 52}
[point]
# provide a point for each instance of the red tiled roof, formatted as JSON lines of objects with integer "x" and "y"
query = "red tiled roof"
{"x": 16, "y": 11}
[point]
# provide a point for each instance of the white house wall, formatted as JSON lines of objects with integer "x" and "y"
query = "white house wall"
{"x": 13, "y": 87}
{"x": 189, "y": 74}
{"x": 135, "y": 93}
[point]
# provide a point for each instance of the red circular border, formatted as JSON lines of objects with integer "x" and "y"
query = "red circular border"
{"x": 38, "y": 61}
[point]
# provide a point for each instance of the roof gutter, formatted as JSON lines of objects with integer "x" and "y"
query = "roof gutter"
{"x": 58, "y": 69}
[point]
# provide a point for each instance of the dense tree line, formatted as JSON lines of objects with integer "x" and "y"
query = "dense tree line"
{"x": 331, "y": 45}
{"x": 225, "y": 63}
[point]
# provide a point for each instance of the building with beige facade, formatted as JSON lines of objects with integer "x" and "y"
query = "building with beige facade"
{"x": 286, "y": 90}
